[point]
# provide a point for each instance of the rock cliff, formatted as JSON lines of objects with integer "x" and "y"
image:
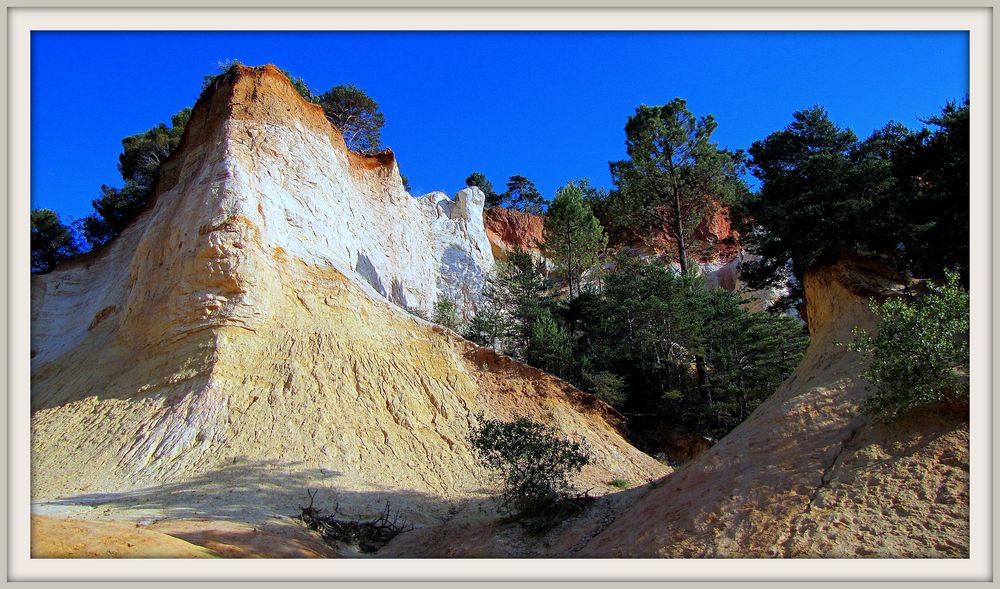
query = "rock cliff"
{"x": 509, "y": 229}
{"x": 242, "y": 340}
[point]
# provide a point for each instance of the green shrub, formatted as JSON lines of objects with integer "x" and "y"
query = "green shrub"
{"x": 446, "y": 314}
{"x": 534, "y": 465}
{"x": 550, "y": 347}
{"x": 607, "y": 387}
{"x": 920, "y": 355}
{"x": 620, "y": 483}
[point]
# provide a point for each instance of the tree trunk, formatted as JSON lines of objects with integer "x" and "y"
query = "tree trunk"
{"x": 679, "y": 231}
{"x": 703, "y": 388}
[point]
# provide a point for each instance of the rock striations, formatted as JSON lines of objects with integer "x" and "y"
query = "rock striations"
{"x": 242, "y": 341}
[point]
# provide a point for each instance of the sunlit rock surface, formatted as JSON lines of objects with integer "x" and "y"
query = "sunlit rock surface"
{"x": 243, "y": 340}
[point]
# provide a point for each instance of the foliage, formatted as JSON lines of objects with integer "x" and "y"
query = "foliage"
{"x": 673, "y": 172}
{"x": 488, "y": 327}
{"x": 550, "y": 347}
{"x": 620, "y": 484}
{"x": 480, "y": 181}
{"x": 824, "y": 193}
{"x": 300, "y": 86}
{"x": 920, "y": 352}
{"x": 522, "y": 195}
{"x": 51, "y": 241}
{"x": 139, "y": 164}
{"x": 648, "y": 329}
{"x": 356, "y": 114}
{"x": 648, "y": 326}
{"x": 513, "y": 299}
{"x": 534, "y": 465}
{"x": 747, "y": 356}
{"x": 601, "y": 203}
{"x": 223, "y": 67}
{"x": 143, "y": 153}
{"x": 607, "y": 386}
{"x": 574, "y": 237}
{"x": 933, "y": 171}
{"x": 446, "y": 314}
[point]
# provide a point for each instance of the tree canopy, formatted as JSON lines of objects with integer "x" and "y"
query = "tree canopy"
{"x": 51, "y": 241}
{"x": 823, "y": 193}
{"x": 356, "y": 114}
{"x": 139, "y": 165}
{"x": 674, "y": 173}
{"x": 522, "y": 195}
{"x": 574, "y": 237}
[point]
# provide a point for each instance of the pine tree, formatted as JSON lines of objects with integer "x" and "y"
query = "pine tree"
{"x": 51, "y": 241}
{"x": 574, "y": 238}
{"x": 522, "y": 195}
{"x": 550, "y": 347}
{"x": 674, "y": 172}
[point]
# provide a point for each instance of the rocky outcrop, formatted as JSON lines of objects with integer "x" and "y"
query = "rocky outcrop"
{"x": 239, "y": 344}
{"x": 508, "y": 230}
{"x": 807, "y": 475}
{"x": 715, "y": 243}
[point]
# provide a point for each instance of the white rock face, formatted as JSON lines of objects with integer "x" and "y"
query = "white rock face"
{"x": 307, "y": 201}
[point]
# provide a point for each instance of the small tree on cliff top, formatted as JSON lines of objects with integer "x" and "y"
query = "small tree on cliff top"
{"x": 523, "y": 196}
{"x": 356, "y": 114}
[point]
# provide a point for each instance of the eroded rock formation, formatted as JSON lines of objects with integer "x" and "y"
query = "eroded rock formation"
{"x": 243, "y": 341}
{"x": 509, "y": 229}
{"x": 238, "y": 343}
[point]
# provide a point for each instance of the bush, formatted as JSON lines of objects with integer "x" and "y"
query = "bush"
{"x": 446, "y": 314}
{"x": 533, "y": 463}
{"x": 920, "y": 355}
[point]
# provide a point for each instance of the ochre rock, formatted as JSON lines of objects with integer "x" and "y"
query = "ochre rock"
{"x": 509, "y": 229}
{"x": 227, "y": 352}
{"x": 715, "y": 242}
{"x": 53, "y": 537}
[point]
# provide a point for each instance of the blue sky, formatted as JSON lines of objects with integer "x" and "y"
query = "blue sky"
{"x": 548, "y": 105}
